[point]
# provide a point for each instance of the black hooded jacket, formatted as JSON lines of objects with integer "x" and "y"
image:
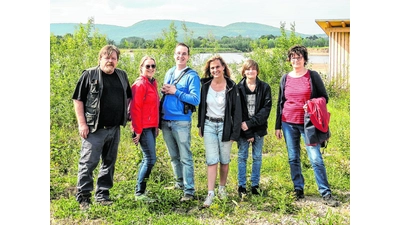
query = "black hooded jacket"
{"x": 257, "y": 124}
{"x": 233, "y": 111}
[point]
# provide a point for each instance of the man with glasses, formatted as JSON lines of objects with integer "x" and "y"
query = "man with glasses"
{"x": 101, "y": 100}
{"x": 181, "y": 92}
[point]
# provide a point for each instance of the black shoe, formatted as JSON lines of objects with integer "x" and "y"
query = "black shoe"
{"x": 84, "y": 204}
{"x": 330, "y": 200}
{"x": 299, "y": 194}
{"x": 242, "y": 191}
{"x": 254, "y": 190}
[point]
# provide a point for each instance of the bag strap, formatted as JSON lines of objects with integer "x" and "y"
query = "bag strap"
{"x": 181, "y": 75}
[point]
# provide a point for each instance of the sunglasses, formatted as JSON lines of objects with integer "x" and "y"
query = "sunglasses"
{"x": 152, "y": 66}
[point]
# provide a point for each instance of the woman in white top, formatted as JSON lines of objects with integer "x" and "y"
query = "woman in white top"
{"x": 219, "y": 121}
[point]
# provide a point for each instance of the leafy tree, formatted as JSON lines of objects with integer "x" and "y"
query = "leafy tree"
{"x": 273, "y": 62}
{"x": 69, "y": 56}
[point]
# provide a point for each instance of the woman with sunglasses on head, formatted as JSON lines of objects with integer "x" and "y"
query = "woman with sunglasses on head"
{"x": 144, "y": 115}
{"x": 296, "y": 88}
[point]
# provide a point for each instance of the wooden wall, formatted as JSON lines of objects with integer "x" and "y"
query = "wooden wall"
{"x": 339, "y": 57}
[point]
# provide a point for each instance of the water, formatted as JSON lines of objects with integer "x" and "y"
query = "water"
{"x": 239, "y": 58}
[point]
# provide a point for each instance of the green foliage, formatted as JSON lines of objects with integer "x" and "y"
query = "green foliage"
{"x": 273, "y": 62}
{"x": 71, "y": 54}
{"x": 236, "y": 44}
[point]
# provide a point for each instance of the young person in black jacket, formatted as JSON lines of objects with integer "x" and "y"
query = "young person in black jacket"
{"x": 255, "y": 98}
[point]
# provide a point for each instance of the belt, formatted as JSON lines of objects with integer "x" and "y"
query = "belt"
{"x": 212, "y": 119}
{"x": 107, "y": 127}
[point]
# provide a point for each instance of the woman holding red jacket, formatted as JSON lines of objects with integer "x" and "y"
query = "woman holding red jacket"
{"x": 296, "y": 88}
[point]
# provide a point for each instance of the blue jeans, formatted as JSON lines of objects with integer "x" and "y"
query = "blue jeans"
{"x": 148, "y": 146}
{"x": 177, "y": 136}
{"x": 217, "y": 151}
{"x": 292, "y": 134}
{"x": 243, "y": 154}
{"x": 102, "y": 144}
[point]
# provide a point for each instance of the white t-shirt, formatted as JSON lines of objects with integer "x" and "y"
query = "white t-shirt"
{"x": 215, "y": 103}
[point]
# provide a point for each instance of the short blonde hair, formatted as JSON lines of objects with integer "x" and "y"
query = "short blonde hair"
{"x": 146, "y": 57}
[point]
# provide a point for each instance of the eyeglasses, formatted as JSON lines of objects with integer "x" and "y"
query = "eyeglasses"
{"x": 152, "y": 66}
{"x": 296, "y": 58}
{"x": 181, "y": 54}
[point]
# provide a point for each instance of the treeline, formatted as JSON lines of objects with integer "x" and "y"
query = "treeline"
{"x": 238, "y": 44}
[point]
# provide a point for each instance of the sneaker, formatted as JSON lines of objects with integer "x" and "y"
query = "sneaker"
{"x": 242, "y": 192}
{"x": 222, "y": 193}
{"x": 330, "y": 200}
{"x": 254, "y": 190}
{"x": 299, "y": 194}
{"x": 105, "y": 202}
{"x": 208, "y": 200}
{"x": 187, "y": 197}
{"x": 174, "y": 187}
{"x": 144, "y": 198}
{"x": 84, "y": 204}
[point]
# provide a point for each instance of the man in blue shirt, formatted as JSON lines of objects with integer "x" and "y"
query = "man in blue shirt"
{"x": 181, "y": 96}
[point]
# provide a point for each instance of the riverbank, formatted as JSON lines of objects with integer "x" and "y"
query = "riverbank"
{"x": 321, "y": 68}
{"x": 318, "y": 51}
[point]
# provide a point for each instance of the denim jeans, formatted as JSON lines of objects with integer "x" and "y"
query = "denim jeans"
{"x": 102, "y": 144}
{"x": 292, "y": 134}
{"x": 217, "y": 151}
{"x": 243, "y": 154}
{"x": 177, "y": 136}
{"x": 148, "y": 146}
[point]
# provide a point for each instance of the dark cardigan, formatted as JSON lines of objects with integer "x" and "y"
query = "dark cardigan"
{"x": 317, "y": 90}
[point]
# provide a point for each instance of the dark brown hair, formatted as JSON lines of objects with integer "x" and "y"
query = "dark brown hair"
{"x": 298, "y": 50}
{"x": 184, "y": 45}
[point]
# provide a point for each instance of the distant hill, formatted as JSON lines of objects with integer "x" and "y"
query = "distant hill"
{"x": 152, "y": 29}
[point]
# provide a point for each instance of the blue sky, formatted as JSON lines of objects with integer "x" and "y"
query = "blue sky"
{"x": 220, "y": 13}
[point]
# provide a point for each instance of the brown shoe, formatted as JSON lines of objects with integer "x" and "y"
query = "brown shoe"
{"x": 174, "y": 187}
{"x": 84, "y": 204}
{"x": 187, "y": 197}
{"x": 330, "y": 200}
{"x": 105, "y": 202}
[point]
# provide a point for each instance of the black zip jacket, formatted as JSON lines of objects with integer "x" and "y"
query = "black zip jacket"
{"x": 258, "y": 124}
{"x": 233, "y": 110}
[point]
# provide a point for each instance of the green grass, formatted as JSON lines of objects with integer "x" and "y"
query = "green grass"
{"x": 274, "y": 206}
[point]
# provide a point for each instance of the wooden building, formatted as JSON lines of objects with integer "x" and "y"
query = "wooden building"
{"x": 338, "y": 31}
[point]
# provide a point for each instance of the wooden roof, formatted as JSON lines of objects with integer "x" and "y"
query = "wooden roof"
{"x": 334, "y": 25}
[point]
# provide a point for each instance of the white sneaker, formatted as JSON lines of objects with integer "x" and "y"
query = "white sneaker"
{"x": 208, "y": 200}
{"x": 222, "y": 193}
